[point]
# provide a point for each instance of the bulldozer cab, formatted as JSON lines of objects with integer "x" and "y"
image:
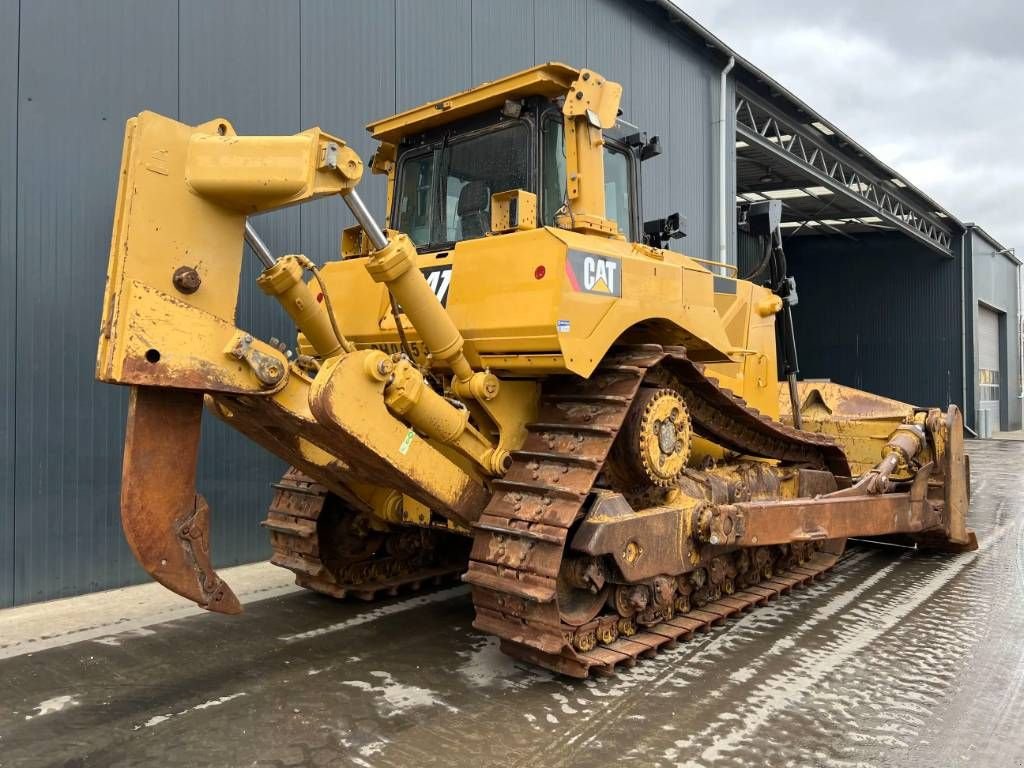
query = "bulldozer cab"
{"x": 445, "y": 177}
{"x": 551, "y": 131}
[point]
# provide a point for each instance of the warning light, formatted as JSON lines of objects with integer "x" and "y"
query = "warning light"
{"x": 539, "y": 272}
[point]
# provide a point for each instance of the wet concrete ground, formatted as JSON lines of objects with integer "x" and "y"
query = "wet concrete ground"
{"x": 897, "y": 659}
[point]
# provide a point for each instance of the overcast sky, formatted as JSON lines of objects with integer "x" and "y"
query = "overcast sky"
{"x": 933, "y": 89}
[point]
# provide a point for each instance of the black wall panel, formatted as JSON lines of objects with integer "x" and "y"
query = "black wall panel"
{"x": 879, "y": 313}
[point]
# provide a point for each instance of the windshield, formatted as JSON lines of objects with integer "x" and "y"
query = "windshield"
{"x": 444, "y": 193}
{"x": 616, "y": 179}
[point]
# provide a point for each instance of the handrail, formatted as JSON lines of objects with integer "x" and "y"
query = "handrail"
{"x": 711, "y": 263}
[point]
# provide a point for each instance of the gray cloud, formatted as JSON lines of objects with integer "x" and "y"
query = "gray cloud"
{"x": 932, "y": 89}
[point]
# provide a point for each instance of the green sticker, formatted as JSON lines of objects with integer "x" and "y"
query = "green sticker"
{"x": 404, "y": 447}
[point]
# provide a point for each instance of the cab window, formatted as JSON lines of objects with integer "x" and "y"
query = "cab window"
{"x": 616, "y": 188}
{"x": 447, "y": 198}
{"x": 415, "y": 203}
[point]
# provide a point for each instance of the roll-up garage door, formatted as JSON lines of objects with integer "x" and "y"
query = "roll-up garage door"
{"x": 989, "y": 376}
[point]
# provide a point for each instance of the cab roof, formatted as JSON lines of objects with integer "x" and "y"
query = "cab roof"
{"x": 551, "y": 79}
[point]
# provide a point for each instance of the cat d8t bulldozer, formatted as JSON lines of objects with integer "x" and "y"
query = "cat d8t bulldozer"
{"x": 512, "y": 380}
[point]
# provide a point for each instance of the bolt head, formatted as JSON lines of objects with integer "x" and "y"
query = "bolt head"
{"x": 186, "y": 280}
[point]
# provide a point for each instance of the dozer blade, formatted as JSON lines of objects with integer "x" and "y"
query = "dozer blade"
{"x": 166, "y": 523}
{"x": 956, "y": 472}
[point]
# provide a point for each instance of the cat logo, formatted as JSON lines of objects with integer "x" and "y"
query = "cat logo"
{"x": 590, "y": 273}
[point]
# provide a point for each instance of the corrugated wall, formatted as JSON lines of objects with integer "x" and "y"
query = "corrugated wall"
{"x": 879, "y": 313}
{"x": 70, "y": 73}
{"x": 994, "y": 283}
{"x": 83, "y": 68}
{"x": 8, "y": 286}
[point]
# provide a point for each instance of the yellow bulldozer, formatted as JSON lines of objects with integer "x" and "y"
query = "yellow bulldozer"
{"x": 513, "y": 380}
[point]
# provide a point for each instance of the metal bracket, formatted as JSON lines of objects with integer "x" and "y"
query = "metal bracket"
{"x": 269, "y": 370}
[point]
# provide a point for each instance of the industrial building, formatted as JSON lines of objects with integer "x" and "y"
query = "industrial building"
{"x": 897, "y": 295}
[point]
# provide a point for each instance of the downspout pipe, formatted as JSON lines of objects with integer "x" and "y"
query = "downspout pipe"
{"x": 723, "y": 196}
{"x": 1020, "y": 335}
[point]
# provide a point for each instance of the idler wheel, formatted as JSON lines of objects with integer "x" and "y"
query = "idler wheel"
{"x": 581, "y": 590}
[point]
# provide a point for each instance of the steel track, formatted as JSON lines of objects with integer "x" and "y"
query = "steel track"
{"x": 292, "y": 522}
{"x": 521, "y": 537}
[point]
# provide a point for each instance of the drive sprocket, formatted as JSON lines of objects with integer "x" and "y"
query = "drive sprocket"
{"x": 654, "y": 444}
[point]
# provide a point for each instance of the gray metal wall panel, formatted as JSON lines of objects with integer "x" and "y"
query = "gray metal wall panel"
{"x": 84, "y": 68}
{"x": 268, "y": 67}
{"x": 433, "y": 44}
{"x": 502, "y": 38}
{"x": 8, "y": 291}
{"x": 651, "y": 55}
{"x": 691, "y": 150}
{"x": 994, "y": 282}
{"x": 669, "y": 92}
{"x": 608, "y": 44}
{"x": 239, "y": 60}
{"x": 880, "y": 314}
{"x": 344, "y": 87}
{"x": 560, "y": 31}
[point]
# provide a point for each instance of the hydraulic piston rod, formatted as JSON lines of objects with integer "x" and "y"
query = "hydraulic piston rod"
{"x": 252, "y": 237}
{"x": 355, "y": 204}
{"x": 392, "y": 263}
{"x": 282, "y": 279}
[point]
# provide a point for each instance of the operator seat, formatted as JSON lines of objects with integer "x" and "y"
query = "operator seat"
{"x": 474, "y": 209}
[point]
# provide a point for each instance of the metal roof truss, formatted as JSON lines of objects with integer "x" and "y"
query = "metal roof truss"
{"x": 768, "y": 129}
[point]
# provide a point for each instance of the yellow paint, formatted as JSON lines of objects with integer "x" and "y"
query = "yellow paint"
{"x": 367, "y": 424}
{"x": 859, "y": 421}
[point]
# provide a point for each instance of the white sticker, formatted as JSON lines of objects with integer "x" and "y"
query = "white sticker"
{"x": 563, "y": 326}
{"x": 404, "y": 447}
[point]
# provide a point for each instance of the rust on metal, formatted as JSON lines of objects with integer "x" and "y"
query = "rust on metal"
{"x": 642, "y": 545}
{"x": 312, "y": 536}
{"x": 166, "y": 523}
{"x": 780, "y": 522}
{"x": 516, "y": 569}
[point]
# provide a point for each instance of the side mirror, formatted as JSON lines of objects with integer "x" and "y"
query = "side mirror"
{"x": 651, "y": 149}
{"x": 658, "y": 232}
{"x": 648, "y": 147}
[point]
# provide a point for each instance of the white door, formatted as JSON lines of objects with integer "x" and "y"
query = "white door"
{"x": 989, "y": 378}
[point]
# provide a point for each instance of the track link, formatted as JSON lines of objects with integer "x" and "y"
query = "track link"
{"x": 292, "y": 521}
{"x": 625, "y": 651}
{"x": 521, "y": 536}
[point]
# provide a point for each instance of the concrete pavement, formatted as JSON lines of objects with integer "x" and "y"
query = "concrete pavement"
{"x": 897, "y": 659}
